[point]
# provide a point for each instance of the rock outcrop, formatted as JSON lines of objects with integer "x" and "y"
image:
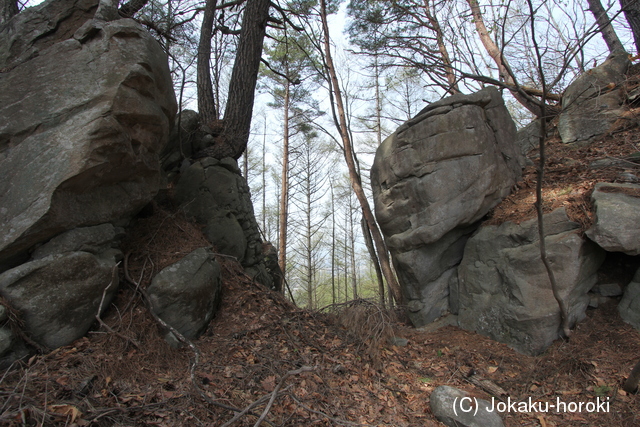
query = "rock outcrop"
{"x": 593, "y": 103}
{"x": 86, "y": 106}
{"x": 59, "y": 295}
{"x": 85, "y": 110}
{"x": 617, "y": 224}
{"x": 432, "y": 181}
{"x": 186, "y": 294}
{"x": 215, "y": 194}
{"x": 504, "y": 291}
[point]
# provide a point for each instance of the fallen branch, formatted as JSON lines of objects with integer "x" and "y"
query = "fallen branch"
{"x": 271, "y": 397}
{"x": 274, "y": 394}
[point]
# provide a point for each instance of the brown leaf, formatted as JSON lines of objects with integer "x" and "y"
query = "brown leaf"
{"x": 269, "y": 383}
{"x": 65, "y": 411}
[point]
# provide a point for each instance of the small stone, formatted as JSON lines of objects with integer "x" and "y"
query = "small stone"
{"x": 451, "y": 407}
{"x": 608, "y": 289}
{"x": 397, "y": 341}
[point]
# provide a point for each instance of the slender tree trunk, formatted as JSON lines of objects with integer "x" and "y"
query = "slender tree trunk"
{"x": 206, "y": 104}
{"x": 562, "y": 304}
{"x": 8, "y": 9}
{"x": 604, "y": 25}
{"x": 284, "y": 187}
{"x": 442, "y": 48}
{"x": 376, "y": 264}
{"x": 352, "y": 252}
{"x": 353, "y": 176}
{"x": 631, "y": 9}
{"x": 308, "y": 243}
{"x": 333, "y": 246}
{"x": 501, "y": 62}
{"x": 264, "y": 179}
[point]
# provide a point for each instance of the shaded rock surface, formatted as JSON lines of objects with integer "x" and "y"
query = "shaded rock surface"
{"x": 95, "y": 240}
{"x": 59, "y": 295}
{"x": 215, "y": 194}
{"x": 186, "y": 294}
{"x": 504, "y": 289}
{"x": 592, "y": 103}
{"x": 85, "y": 110}
{"x": 629, "y": 306}
{"x": 432, "y": 181}
{"x": 617, "y": 224}
{"x": 455, "y": 408}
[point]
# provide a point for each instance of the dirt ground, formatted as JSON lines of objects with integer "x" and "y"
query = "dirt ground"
{"x": 266, "y": 362}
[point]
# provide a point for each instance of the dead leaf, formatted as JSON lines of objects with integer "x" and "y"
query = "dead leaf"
{"x": 543, "y": 423}
{"x": 269, "y": 383}
{"x": 65, "y": 411}
{"x": 492, "y": 369}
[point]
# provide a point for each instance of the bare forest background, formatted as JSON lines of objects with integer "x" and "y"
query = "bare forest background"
{"x": 333, "y": 79}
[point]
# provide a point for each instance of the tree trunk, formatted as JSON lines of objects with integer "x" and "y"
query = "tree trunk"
{"x": 562, "y": 304}
{"x": 284, "y": 188}
{"x": 376, "y": 263}
{"x": 631, "y": 9}
{"x": 442, "y": 48}
{"x": 206, "y": 105}
{"x": 8, "y": 9}
{"x": 244, "y": 76}
{"x": 604, "y": 25}
{"x": 501, "y": 62}
{"x": 353, "y": 175}
{"x": 333, "y": 246}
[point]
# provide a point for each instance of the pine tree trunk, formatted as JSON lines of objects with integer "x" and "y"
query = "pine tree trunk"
{"x": 284, "y": 188}
{"x": 353, "y": 175}
{"x": 244, "y": 76}
{"x": 206, "y": 105}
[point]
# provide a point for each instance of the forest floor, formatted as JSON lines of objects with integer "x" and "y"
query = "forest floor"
{"x": 263, "y": 356}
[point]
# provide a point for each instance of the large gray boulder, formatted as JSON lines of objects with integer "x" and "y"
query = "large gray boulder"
{"x": 85, "y": 110}
{"x": 504, "y": 290}
{"x": 629, "y": 306}
{"x": 186, "y": 294}
{"x": 432, "y": 181}
{"x": 617, "y": 224}
{"x": 594, "y": 101}
{"x": 59, "y": 295}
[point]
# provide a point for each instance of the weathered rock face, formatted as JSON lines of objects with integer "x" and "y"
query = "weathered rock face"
{"x": 432, "y": 181}
{"x": 617, "y": 225}
{"x": 592, "y": 103}
{"x": 186, "y": 294}
{"x": 504, "y": 290}
{"x": 85, "y": 110}
{"x": 59, "y": 295}
{"x": 629, "y": 306}
{"x": 217, "y": 196}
